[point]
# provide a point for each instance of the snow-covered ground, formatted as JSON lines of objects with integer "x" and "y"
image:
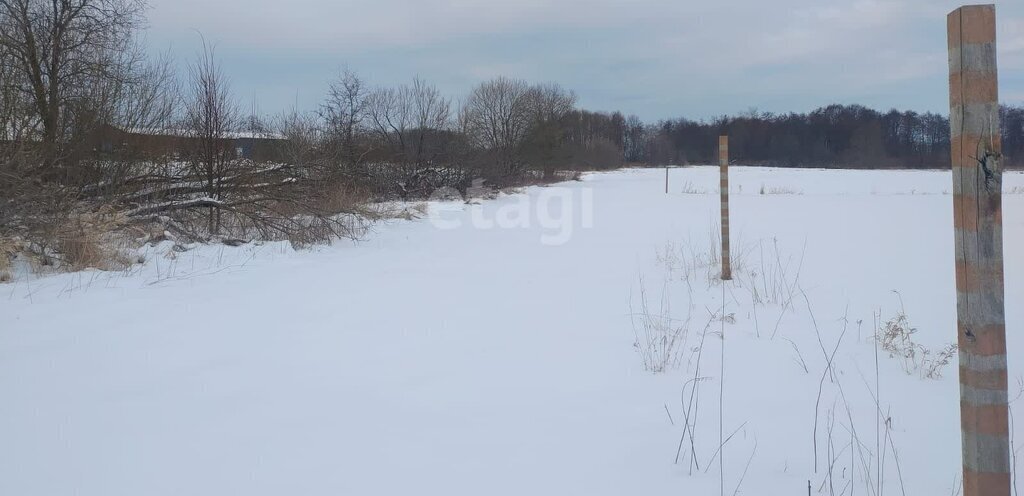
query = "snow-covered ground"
{"x": 499, "y": 349}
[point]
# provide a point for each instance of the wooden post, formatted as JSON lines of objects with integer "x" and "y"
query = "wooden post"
{"x": 977, "y": 222}
{"x": 723, "y": 166}
{"x": 666, "y": 180}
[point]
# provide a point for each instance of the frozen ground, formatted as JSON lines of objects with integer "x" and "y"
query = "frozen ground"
{"x": 455, "y": 356}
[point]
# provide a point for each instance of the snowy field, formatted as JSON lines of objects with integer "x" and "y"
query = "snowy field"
{"x": 501, "y": 349}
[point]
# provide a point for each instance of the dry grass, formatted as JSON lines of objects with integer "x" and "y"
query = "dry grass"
{"x": 691, "y": 264}
{"x": 660, "y": 338}
{"x": 92, "y": 240}
{"x": 779, "y": 190}
{"x": 762, "y": 268}
{"x": 690, "y": 189}
{"x": 340, "y": 198}
{"x": 896, "y": 337}
{"x": 774, "y": 280}
{"x": 403, "y": 211}
{"x": 76, "y": 241}
{"x": 9, "y": 248}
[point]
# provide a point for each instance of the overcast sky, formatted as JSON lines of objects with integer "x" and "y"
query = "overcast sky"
{"x": 654, "y": 58}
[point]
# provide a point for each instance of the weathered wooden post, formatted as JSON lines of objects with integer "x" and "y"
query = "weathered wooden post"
{"x": 977, "y": 211}
{"x": 723, "y": 166}
{"x": 666, "y": 180}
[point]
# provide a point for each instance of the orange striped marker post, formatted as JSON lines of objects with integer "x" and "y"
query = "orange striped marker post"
{"x": 723, "y": 166}
{"x": 978, "y": 224}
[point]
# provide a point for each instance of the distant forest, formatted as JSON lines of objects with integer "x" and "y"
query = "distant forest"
{"x": 839, "y": 136}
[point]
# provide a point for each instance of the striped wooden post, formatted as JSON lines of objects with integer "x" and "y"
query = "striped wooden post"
{"x": 977, "y": 211}
{"x": 723, "y": 166}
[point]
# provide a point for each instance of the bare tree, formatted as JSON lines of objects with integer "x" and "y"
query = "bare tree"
{"x": 389, "y": 114}
{"x": 432, "y": 116}
{"x": 15, "y": 108}
{"x": 67, "y": 52}
{"x": 307, "y": 141}
{"x": 211, "y": 116}
{"x": 413, "y": 126}
{"x": 634, "y": 140}
{"x": 343, "y": 112}
{"x": 150, "y": 98}
{"x": 544, "y": 146}
{"x": 551, "y": 102}
{"x": 497, "y": 116}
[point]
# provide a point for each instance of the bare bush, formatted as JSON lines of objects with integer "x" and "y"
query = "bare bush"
{"x": 412, "y": 131}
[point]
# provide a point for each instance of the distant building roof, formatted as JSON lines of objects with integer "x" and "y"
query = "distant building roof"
{"x": 184, "y": 133}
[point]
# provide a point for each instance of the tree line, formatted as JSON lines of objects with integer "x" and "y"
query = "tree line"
{"x": 846, "y": 136}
